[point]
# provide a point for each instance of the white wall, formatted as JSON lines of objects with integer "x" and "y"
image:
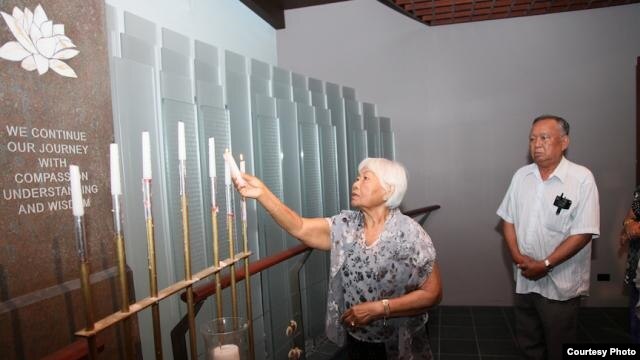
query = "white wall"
{"x": 462, "y": 97}
{"x": 227, "y": 24}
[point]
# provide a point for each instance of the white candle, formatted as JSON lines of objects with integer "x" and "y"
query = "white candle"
{"x": 227, "y": 169}
{"x": 233, "y": 167}
{"x": 226, "y": 352}
{"x": 212, "y": 158}
{"x": 115, "y": 169}
{"x": 182, "y": 149}
{"x": 244, "y": 201}
{"x": 146, "y": 156}
{"x": 76, "y": 191}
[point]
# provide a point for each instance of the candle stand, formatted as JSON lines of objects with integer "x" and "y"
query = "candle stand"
{"x": 226, "y": 338}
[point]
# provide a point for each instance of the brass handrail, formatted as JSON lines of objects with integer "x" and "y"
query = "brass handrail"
{"x": 203, "y": 291}
{"x": 424, "y": 211}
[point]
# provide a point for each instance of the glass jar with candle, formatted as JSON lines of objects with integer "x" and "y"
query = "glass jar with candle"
{"x": 226, "y": 338}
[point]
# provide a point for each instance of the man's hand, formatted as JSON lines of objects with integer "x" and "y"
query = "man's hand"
{"x": 521, "y": 259}
{"x": 533, "y": 269}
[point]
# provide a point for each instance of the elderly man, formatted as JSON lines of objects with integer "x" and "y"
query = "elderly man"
{"x": 550, "y": 214}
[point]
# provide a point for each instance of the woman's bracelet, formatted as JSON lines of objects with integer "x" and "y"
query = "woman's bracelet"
{"x": 387, "y": 310}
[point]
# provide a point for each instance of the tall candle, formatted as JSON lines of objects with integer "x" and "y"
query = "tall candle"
{"x": 233, "y": 169}
{"x": 76, "y": 191}
{"x": 226, "y": 352}
{"x": 182, "y": 149}
{"x": 212, "y": 157}
{"x": 244, "y": 201}
{"x": 146, "y": 156}
{"x": 243, "y": 164}
{"x": 115, "y": 169}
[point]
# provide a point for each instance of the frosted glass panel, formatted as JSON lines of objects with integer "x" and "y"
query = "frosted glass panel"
{"x": 299, "y": 81}
{"x": 318, "y": 99}
{"x": 135, "y": 110}
{"x": 310, "y": 163}
{"x": 260, "y": 69}
{"x": 281, "y": 75}
{"x": 388, "y": 145}
{"x": 282, "y": 91}
{"x": 302, "y": 96}
{"x": 136, "y": 26}
{"x": 374, "y": 148}
{"x": 260, "y": 86}
{"x": 206, "y": 71}
{"x": 387, "y": 138}
{"x": 137, "y": 50}
{"x": 348, "y": 93}
{"x": 175, "y": 62}
{"x": 269, "y": 169}
{"x": 304, "y": 137}
{"x": 176, "y": 42}
{"x": 239, "y": 105}
{"x": 336, "y": 104}
{"x": 329, "y": 157}
{"x": 206, "y": 52}
{"x": 174, "y": 111}
{"x": 286, "y": 111}
{"x": 315, "y": 85}
{"x": 215, "y": 124}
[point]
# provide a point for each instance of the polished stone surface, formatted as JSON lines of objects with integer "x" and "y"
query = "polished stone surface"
{"x": 49, "y": 122}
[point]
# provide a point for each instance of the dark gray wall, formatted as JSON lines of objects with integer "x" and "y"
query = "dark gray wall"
{"x": 462, "y": 98}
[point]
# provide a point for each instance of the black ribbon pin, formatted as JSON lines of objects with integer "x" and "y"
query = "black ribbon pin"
{"x": 561, "y": 202}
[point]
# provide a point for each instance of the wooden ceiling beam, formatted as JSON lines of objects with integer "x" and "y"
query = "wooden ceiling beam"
{"x": 269, "y": 11}
{"x": 272, "y": 11}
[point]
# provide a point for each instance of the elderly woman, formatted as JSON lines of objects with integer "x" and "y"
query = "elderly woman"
{"x": 384, "y": 274}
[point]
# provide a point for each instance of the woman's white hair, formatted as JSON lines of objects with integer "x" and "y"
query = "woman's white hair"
{"x": 392, "y": 176}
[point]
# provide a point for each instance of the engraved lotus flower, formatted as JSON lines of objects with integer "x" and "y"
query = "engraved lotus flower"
{"x": 41, "y": 45}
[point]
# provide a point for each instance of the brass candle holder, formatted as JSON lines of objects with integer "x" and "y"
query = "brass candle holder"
{"x": 151, "y": 247}
{"x": 116, "y": 192}
{"x": 182, "y": 170}
{"x": 214, "y": 223}
{"x": 230, "y": 235}
{"x": 81, "y": 246}
{"x": 247, "y": 275}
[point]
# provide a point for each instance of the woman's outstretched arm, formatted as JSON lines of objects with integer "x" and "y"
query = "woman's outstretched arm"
{"x": 313, "y": 232}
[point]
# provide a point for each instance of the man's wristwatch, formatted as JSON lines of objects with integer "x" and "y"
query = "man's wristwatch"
{"x": 547, "y": 264}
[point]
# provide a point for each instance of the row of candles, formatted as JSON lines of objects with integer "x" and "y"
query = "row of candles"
{"x": 231, "y": 171}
